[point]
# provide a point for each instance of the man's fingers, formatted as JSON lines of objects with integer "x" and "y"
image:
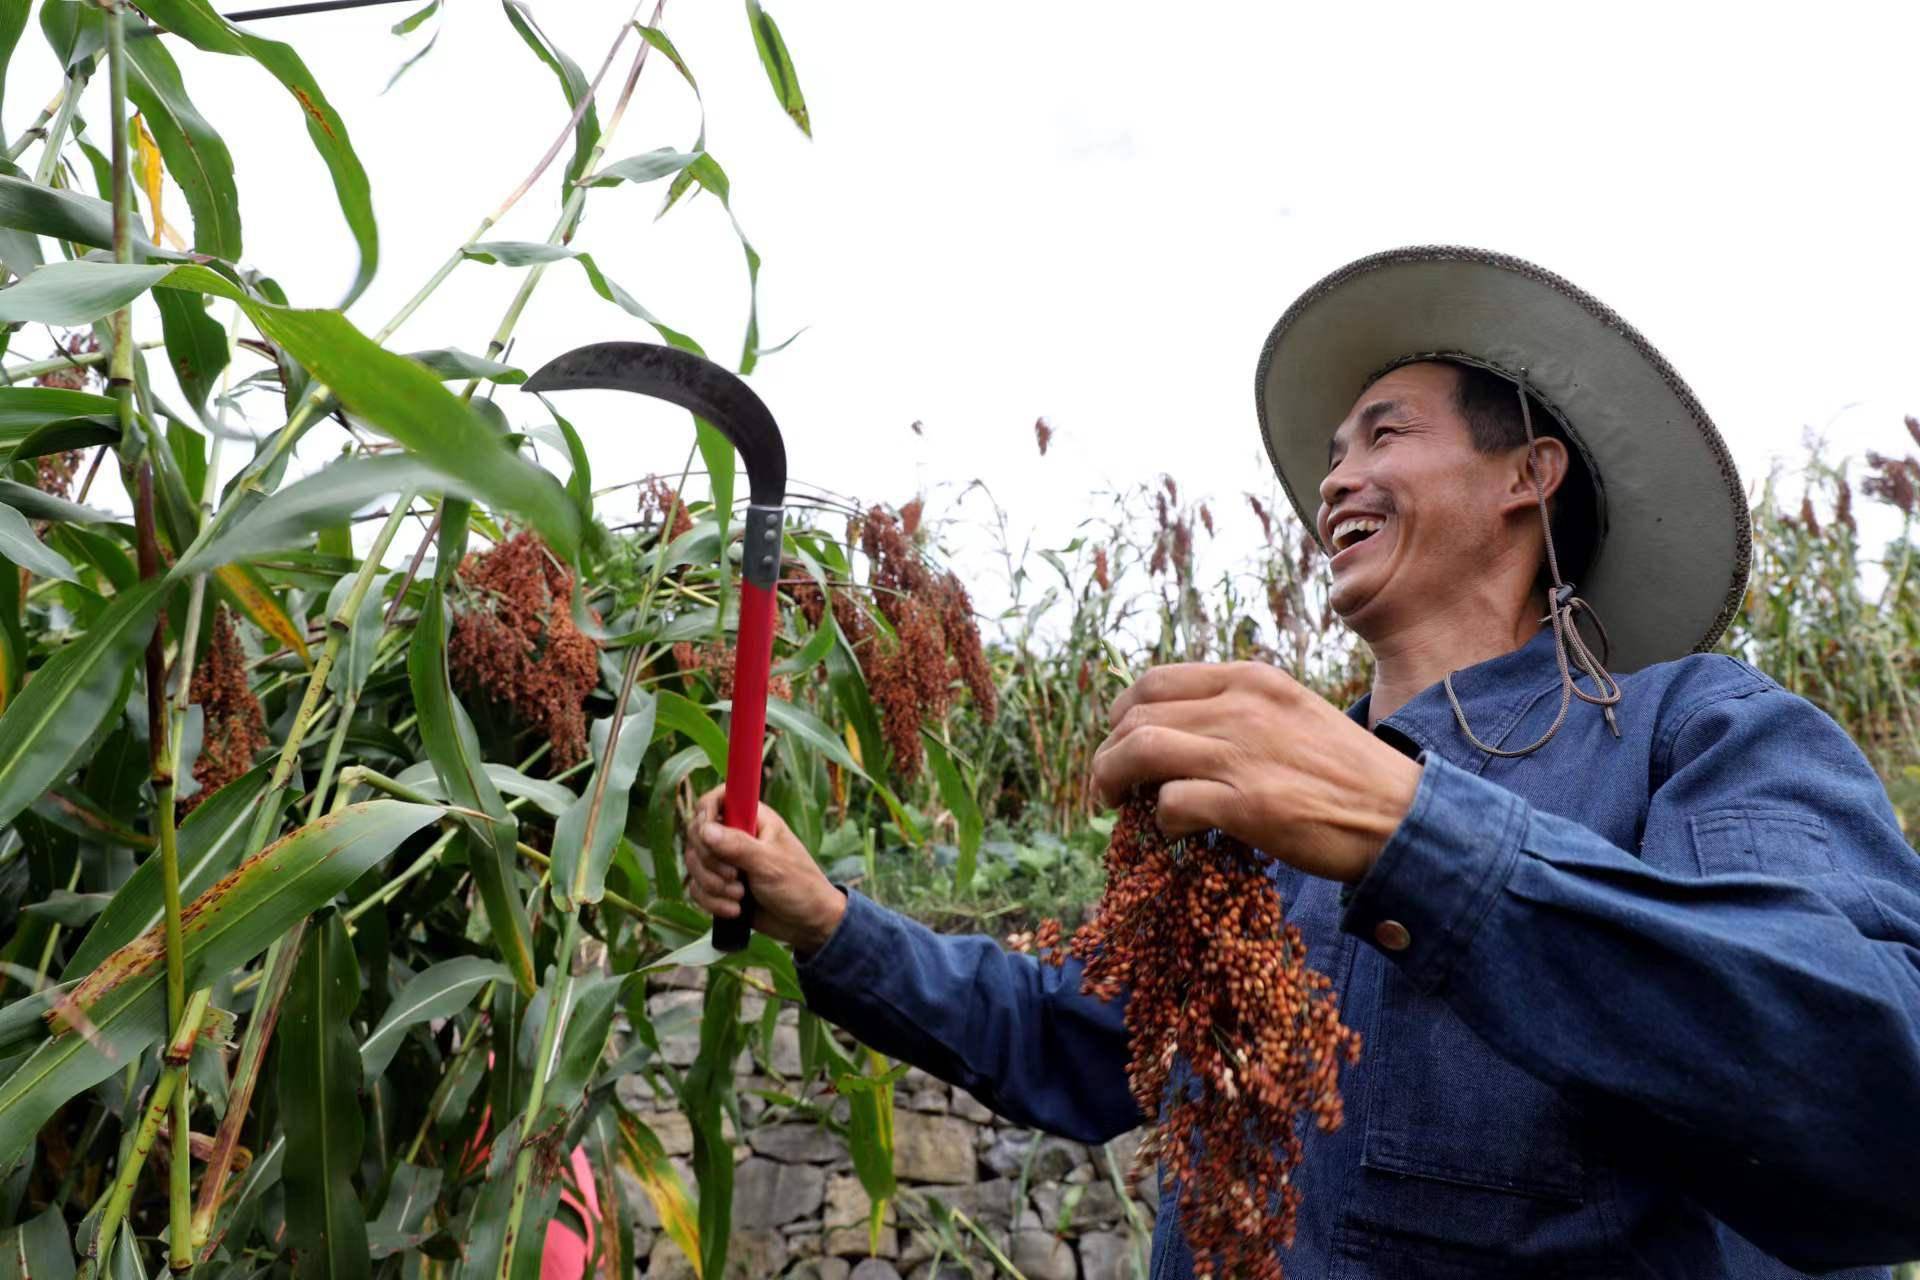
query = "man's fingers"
{"x": 1154, "y": 754}
{"x": 1179, "y": 680}
{"x": 736, "y": 849}
{"x": 1187, "y": 805}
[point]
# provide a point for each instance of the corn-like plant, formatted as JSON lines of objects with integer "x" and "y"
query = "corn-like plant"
{"x": 330, "y": 874}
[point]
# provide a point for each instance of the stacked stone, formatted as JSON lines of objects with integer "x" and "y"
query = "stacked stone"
{"x": 799, "y": 1209}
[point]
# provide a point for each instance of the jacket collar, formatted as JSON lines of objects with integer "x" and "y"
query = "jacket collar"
{"x": 1495, "y": 695}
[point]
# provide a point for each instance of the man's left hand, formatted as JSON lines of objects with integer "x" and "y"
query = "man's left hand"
{"x": 1246, "y": 748}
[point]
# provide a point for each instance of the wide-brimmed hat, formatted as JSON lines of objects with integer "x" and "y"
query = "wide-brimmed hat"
{"x": 1670, "y": 566}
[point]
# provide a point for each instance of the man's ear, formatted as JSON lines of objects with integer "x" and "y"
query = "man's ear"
{"x": 1549, "y": 462}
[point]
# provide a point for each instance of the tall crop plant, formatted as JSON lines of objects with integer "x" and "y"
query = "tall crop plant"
{"x": 329, "y": 878}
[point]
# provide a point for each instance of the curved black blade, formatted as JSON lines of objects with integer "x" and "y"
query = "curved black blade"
{"x": 682, "y": 378}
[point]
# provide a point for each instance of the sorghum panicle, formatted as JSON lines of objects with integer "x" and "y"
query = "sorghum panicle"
{"x": 515, "y": 643}
{"x": 1232, "y": 1039}
{"x": 232, "y": 729}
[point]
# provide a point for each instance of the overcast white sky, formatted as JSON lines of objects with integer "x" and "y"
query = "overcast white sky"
{"x": 1094, "y": 212}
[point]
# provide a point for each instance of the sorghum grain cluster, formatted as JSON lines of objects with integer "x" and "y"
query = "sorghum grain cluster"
{"x": 1233, "y": 1040}
{"x": 515, "y": 642}
{"x": 232, "y": 729}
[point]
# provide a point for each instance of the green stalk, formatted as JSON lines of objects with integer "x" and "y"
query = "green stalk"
{"x": 159, "y": 735}
{"x": 63, "y": 115}
{"x": 558, "y": 1008}
{"x": 55, "y": 364}
{"x": 170, "y": 1086}
{"x": 246, "y": 1073}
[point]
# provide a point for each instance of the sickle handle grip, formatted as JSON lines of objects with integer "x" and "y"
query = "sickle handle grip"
{"x": 746, "y": 732}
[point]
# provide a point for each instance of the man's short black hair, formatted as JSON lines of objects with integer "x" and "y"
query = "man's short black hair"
{"x": 1491, "y": 407}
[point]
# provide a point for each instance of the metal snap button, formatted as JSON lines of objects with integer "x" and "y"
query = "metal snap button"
{"x": 1392, "y": 935}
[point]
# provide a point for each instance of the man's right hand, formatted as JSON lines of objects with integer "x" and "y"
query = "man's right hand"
{"x": 794, "y": 902}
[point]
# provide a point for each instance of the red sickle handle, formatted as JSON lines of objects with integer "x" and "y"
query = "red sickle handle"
{"x": 747, "y": 731}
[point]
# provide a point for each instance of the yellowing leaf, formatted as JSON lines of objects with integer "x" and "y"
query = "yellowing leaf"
{"x": 258, "y": 603}
{"x": 153, "y": 171}
{"x": 647, "y": 1161}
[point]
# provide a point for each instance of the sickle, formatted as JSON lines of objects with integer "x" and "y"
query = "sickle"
{"x": 732, "y": 409}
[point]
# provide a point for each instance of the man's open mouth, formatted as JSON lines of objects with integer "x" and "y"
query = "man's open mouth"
{"x": 1354, "y": 530}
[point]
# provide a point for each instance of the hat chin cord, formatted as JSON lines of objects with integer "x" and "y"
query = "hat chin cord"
{"x": 1562, "y": 608}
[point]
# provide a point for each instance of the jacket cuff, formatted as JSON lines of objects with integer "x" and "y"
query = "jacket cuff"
{"x": 1424, "y": 898}
{"x": 852, "y": 954}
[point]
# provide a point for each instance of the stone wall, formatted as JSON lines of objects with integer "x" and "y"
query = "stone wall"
{"x": 798, "y": 1209}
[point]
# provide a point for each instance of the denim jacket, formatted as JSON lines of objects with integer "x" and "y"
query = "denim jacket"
{"x": 1655, "y": 1009}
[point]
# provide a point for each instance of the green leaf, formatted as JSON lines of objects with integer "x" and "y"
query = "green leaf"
{"x": 410, "y": 1198}
{"x": 319, "y": 1088}
{"x": 407, "y": 66}
{"x": 306, "y": 506}
{"x": 573, "y": 83}
{"x": 19, "y": 545}
{"x": 208, "y": 844}
{"x": 550, "y": 798}
{"x": 704, "y": 1095}
{"x": 67, "y": 215}
{"x": 583, "y": 1038}
{"x": 648, "y": 166}
{"x": 661, "y": 817}
{"x": 26, "y": 410}
{"x": 405, "y": 401}
{"x": 69, "y": 909}
{"x": 197, "y": 346}
{"x": 780, "y": 72}
{"x": 355, "y": 661}
{"x": 197, "y": 21}
{"x": 584, "y": 836}
{"x": 450, "y": 363}
{"x": 72, "y": 294}
{"x": 74, "y": 811}
{"x": 13, "y": 20}
{"x": 810, "y": 655}
{"x": 707, "y": 172}
{"x": 808, "y": 728}
{"x": 124, "y": 1000}
{"x": 454, "y": 749}
{"x": 682, "y": 715}
{"x": 40, "y": 1247}
{"x": 516, "y": 253}
{"x": 58, "y": 712}
{"x": 439, "y": 991}
{"x": 718, "y": 453}
{"x": 67, "y": 433}
{"x": 958, "y": 798}
{"x": 196, "y": 157}
{"x": 35, "y": 505}
{"x": 412, "y": 21}
{"x": 520, "y": 253}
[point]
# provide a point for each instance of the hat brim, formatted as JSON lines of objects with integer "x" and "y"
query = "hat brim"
{"x": 1670, "y": 567}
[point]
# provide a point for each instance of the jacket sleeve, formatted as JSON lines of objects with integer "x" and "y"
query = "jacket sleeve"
{"x": 1015, "y": 1033}
{"x": 1750, "y": 1030}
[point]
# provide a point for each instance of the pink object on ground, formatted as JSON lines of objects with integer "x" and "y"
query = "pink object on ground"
{"x": 566, "y": 1254}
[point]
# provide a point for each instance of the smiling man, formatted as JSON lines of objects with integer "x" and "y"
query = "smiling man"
{"x": 1630, "y": 931}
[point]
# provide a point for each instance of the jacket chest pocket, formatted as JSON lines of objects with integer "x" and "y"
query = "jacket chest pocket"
{"x": 1444, "y": 1105}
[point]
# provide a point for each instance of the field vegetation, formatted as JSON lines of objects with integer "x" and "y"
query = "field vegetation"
{"x": 340, "y": 805}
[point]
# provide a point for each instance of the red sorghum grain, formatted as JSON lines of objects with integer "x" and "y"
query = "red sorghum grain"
{"x": 514, "y": 642}
{"x": 1217, "y": 987}
{"x": 232, "y": 728}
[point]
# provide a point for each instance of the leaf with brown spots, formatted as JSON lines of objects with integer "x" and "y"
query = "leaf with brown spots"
{"x": 124, "y": 999}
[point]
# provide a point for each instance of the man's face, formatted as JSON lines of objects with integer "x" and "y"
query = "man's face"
{"x": 1410, "y": 509}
